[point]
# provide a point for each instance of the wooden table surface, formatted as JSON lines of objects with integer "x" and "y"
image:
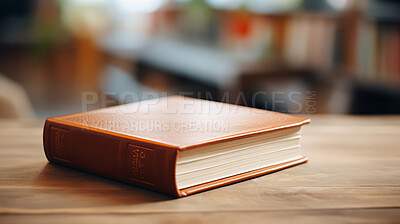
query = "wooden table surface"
{"x": 353, "y": 176}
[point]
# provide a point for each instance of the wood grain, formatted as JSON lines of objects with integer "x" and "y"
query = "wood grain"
{"x": 353, "y": 176}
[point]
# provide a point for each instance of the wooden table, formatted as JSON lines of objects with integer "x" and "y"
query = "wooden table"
{"x": 353, "y": 176}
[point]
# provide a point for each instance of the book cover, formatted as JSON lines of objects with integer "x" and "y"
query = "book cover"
{"x": 140, "y": 143}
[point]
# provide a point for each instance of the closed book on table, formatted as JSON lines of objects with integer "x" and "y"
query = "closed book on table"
{"x": 175, "y": 145}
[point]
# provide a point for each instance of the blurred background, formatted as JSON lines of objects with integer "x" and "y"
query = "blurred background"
{"x": 292, "y": 56}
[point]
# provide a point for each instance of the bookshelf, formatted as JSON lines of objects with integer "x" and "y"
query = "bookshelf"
{"x": 353, "y": 48}
{"x": 356, "y": 48}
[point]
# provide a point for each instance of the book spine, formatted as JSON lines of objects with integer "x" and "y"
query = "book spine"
{"x": 113, "y": 156}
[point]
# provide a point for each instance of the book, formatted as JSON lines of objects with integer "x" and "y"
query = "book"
{"x": 175, "y": 145}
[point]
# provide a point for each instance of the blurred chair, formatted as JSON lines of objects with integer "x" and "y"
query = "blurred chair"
{"x": 14, "y": 102}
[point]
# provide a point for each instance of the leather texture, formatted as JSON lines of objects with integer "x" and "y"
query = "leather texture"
{"x": 183, "y": 122}
{"x": 139, "y": 143}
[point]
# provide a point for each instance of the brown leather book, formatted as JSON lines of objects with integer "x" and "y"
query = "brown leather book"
{"x": 175, "y": 145}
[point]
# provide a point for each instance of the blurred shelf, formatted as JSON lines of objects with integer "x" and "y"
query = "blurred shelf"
{"x": 384, "y": 11}
{"x": 204, "y": 64}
